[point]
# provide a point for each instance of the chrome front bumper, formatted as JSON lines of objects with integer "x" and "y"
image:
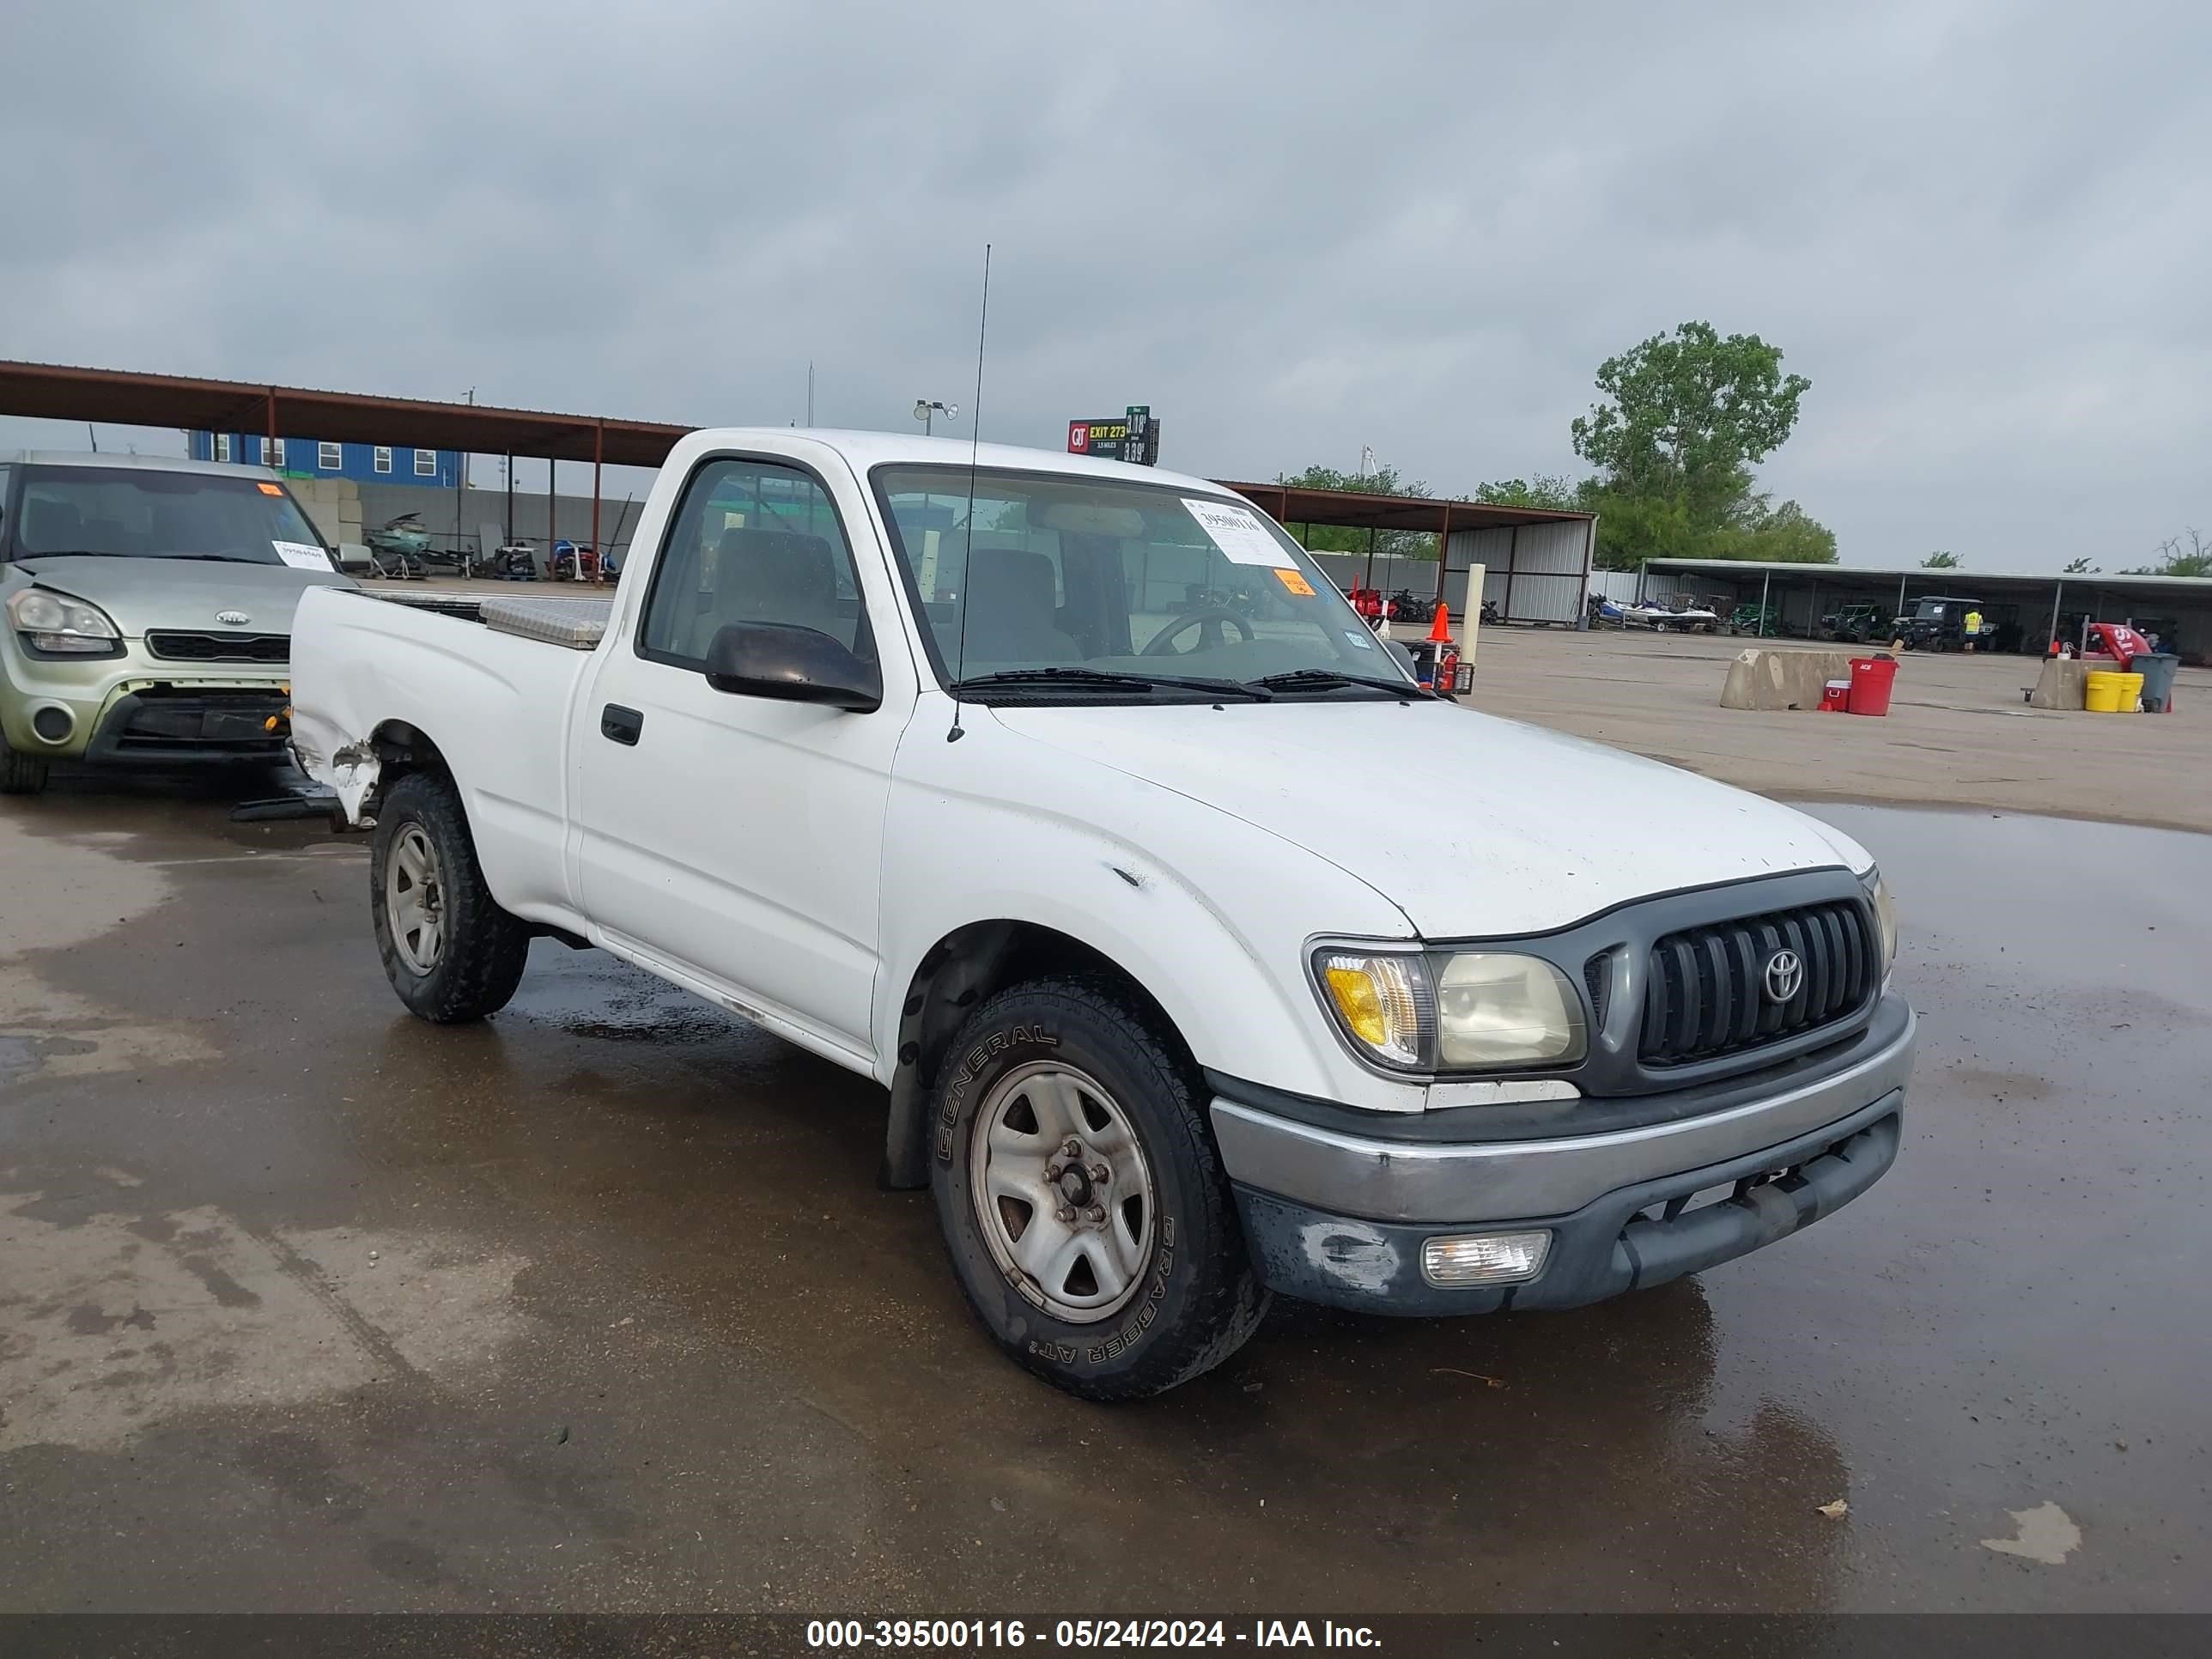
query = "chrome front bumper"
{"x": 1475, "y": 1181}
{"x": 1342, "y": 1217}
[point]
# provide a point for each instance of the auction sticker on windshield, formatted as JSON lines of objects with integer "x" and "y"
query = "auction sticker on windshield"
{"x": 300, "y": 556}
{"x": 1237, "y": 533}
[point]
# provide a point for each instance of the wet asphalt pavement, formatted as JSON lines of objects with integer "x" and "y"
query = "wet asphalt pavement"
{"x": 306, "y": 1305}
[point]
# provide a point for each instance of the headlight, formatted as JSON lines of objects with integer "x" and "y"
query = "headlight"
{"x": 1500, "y": 1010}
{"x": 1884, "y": 915}
{"x": 56, "y": 622}
{"x": 1473, "y": 1011}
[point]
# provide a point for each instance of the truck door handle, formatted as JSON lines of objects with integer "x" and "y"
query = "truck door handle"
{"x": 623, "y": 725}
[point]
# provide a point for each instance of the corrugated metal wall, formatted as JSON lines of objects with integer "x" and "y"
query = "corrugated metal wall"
{"x": 1536, "y": 571}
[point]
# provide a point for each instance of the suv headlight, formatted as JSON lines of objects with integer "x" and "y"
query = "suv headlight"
{"x": 1884, "y": 915}
{"x": 58, "y": 624}
{"x": 1452, "y": 1011}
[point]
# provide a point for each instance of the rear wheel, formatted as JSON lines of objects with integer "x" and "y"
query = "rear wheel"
{"x": 449, "y": 950}
{"x": 1082, "y": 1200}
{"x": 22, "y": 774}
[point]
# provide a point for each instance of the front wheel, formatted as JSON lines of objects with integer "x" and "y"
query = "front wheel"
{"x": 22, "y": 774}
{"x": 1082, "y": 1198}
{"x": 449, "y": 950}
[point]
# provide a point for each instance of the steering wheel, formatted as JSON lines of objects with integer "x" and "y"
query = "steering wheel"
{"x": 1210, "y": 633}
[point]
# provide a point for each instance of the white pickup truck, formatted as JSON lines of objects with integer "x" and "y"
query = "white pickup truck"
{"x": 1044, "y": 792}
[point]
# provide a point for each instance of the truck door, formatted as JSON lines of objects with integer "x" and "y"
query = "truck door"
{"x": 741, "y": 837}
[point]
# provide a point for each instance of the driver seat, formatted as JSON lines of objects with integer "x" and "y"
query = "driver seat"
{"x": 1011, "y": 608}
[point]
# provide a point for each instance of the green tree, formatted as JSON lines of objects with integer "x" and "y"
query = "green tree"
{"x": 2078, "y": 568}
{"x": 2194, "y": 560}
{"x": 1942, "y": 562}
{"x": 1778, "y": 535}
{"x": 1631, "y": 529}
{"x": 1544, "y": 490}
{"x": 1343, "y": 539}
{"x": 1681, "y": 420}
{"x": 1688, "y": 415}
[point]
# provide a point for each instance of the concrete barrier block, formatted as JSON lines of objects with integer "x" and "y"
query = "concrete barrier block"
{"x": 1774, "y": 680}
{"x": 2063, "y": 684}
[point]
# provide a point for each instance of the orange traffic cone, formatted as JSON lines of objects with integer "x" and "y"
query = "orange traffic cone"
{"x": 1440, "y": 630}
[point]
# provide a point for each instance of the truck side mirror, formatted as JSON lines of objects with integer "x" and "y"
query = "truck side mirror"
{"x": 793, "y": 664}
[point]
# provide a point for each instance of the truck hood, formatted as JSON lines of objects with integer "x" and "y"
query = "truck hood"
{"x": 1470, "y": 824}
{"x": 181, "y": 594}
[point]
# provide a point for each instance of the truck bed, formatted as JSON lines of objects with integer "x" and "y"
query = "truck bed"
{"x": 579, "y": 624}
{"x": 490, "y": 681}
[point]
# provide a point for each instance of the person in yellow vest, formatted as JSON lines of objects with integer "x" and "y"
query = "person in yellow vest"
{"x": 1973, "y": 628}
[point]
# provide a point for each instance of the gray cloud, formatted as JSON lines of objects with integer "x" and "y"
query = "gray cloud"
{"x": 1294, "y": 228}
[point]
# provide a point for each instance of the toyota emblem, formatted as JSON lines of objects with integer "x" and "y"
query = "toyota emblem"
{"x": 232, "y": 618}
{"x": 1785, "y": 972}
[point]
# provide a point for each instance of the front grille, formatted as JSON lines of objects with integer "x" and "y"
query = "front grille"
{"x": 220, "y": 647}
{"x": 1706, "y": 995}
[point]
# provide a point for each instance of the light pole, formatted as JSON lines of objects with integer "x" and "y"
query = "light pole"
{"x": 926, "y": 409}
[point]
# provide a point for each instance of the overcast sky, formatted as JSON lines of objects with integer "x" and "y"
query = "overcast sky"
{"x": 1982, "y": 230}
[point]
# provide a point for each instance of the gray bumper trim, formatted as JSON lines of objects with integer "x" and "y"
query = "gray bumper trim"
{"x": 1398, "y": 1180}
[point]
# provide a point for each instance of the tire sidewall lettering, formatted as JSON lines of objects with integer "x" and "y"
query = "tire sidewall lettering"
{"x": 961, "y": 1079}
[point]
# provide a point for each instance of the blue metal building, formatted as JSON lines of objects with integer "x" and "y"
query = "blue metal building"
{"x": 310, "y": 457}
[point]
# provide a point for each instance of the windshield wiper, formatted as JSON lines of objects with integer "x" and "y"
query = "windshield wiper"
{"x": 1323, "y": 679}
{"x": 1112, "y": 678}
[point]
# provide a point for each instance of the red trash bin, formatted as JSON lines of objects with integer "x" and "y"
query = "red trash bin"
{"x": 1871, "y": 680}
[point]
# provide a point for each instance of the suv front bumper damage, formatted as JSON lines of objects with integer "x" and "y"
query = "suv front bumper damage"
{"x": 1341, "y": 1218}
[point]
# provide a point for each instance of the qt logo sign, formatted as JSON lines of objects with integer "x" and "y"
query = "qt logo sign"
{"x": 1078, "y": 437}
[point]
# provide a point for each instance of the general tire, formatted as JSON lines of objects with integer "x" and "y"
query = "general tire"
{"x": 21, "y": 774}
{"x": 1197, "y": 1299}
{"x": 484, "y": 948}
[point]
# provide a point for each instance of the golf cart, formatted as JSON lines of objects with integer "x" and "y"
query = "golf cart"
{"x": 1856, "y": 624}
{"x": 1938, "y": 623}
{"x": 1751, "y": 617}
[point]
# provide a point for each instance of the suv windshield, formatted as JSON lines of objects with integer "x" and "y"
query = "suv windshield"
{"x": 1146, "y": 591}
{"x": 144, "y": 513}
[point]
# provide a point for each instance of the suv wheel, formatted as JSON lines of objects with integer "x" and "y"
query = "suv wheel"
{"x": 448, "y": 949}
{"x": 22, "y": 774}
{"x": 1081, "y": 1196}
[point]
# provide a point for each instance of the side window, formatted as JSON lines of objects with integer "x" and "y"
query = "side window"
{"x": 753, "y": 542}
{"x": 4, "y": 528}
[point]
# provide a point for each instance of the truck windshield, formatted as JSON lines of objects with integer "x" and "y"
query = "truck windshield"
{"x": 147, "y": 513}
{"x": 1152, "y": 592}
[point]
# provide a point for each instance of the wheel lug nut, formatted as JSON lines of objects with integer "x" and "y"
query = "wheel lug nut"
{"x": 1101, "y": 1174}
{"x": 1066, "y": 1213}
{"x": 1096, "y": 1213}
{"x": 1071, "y": 1147}
{"x": 1052, "y": 1172}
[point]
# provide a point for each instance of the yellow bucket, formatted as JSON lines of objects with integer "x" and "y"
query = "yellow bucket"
{"x": 2100, "y": 693}
{"x": 2131, "y": 693}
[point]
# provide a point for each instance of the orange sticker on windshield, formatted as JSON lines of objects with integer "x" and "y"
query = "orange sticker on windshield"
{"x": 1295, "y": 583}
{"x": 269, "y": 489}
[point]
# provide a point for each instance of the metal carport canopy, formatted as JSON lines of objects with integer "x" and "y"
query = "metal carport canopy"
{"x": 1348, "y": 509}
{"x": 1957, "y": 580}
{"x": 124, "y": 399}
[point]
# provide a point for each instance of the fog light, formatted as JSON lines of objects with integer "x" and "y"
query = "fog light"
{"x": 53, "y": 723}
{"x": 1461, "y": 1258}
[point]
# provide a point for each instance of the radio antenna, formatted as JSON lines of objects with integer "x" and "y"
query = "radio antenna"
{"x": 968, "y": 555}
